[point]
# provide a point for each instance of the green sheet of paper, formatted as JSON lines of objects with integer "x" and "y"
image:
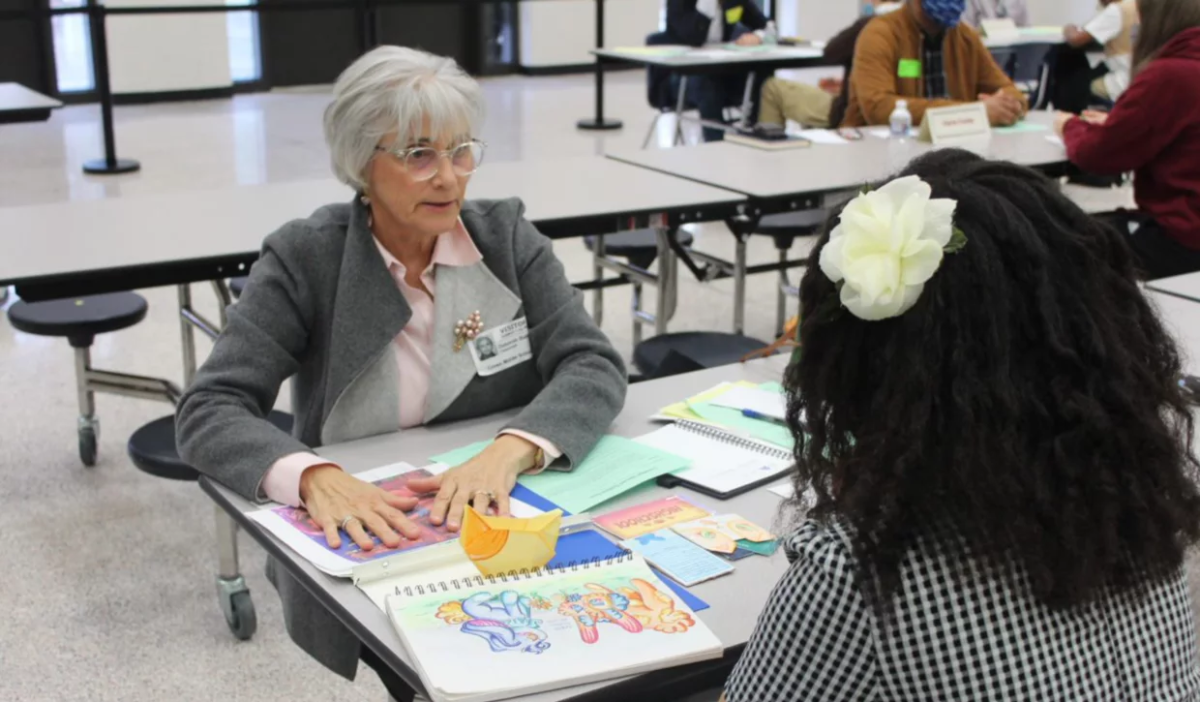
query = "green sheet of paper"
{"x": 1021, "y": 128}
{"x": 909, "y": 68}
{"x": 459, "y": 456}
{"x": 770, "y": 432}
{"x": 771, "y": 387}
{"x": 615, "y": 466}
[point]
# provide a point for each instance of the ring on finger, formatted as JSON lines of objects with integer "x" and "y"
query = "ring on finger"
{"x": 347, "y": 521}
{"x": 486, "y": 493}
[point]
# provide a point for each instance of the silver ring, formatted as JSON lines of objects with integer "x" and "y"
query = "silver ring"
{"x": 346, "y": 520}
{"x": 490, "y": 495}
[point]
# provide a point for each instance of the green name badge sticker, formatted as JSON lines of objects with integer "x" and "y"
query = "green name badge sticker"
{"x": 909, "y": 68}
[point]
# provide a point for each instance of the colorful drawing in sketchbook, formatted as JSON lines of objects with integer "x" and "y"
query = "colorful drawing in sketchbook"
{"x": 529, "y": 621}
{"x": 429, "y": 534}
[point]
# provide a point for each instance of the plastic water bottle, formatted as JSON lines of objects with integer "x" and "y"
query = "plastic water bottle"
{"x": 770, "y": 34}
{"x": 901, "y": 120}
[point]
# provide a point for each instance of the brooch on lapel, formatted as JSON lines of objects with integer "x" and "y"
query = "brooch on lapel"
{"x": 467, "y": 330}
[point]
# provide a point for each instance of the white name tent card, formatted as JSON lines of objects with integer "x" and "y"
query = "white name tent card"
{"x": 956, "y": 123}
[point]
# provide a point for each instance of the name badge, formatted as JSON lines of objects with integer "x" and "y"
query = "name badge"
{"x": 956, "y": 123}
{"x": 733, "y": 15}
{"x": 909, "y": 68}
{"x": 501, "y": 348}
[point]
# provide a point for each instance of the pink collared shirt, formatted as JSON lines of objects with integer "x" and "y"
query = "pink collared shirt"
{"x": 412, "y": 348}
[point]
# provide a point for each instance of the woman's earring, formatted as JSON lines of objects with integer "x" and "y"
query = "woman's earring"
{"x": 365, "y": 200}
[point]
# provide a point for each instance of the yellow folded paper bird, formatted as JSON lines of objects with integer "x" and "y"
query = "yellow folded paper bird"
{"x": 506, "y": 544}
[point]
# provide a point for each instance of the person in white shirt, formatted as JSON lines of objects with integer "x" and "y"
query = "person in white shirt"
{"x": 1113, "y": 29}
{"x": 979, "y": 10}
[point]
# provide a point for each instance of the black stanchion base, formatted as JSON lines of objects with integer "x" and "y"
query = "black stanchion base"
{"x": 592, "y": 124}
{"x": 100, "y": 166}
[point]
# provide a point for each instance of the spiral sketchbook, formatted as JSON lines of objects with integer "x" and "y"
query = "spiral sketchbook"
{"x": 477, "y": 639}
{"x": 724, "y": 463}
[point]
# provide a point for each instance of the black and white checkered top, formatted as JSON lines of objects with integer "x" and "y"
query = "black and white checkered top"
{"x": 981, "y": 638}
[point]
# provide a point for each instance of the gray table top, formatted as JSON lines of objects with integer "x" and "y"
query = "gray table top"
{"x": 74, "y": 238}
{"x": 1185, "y": 286}
{"x": 825, "y": 168}
{"x": 735, "y": 599}
{"x": 1028, "y": 36}
{"x": 14, "y": 96}
{"x": 713, "y": 56}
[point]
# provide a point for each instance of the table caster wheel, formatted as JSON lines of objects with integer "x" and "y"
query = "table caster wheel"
{"x": 87, "y": 445}
{"x": 240, "y": 615}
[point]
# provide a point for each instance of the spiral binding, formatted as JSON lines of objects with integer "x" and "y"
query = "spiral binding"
{"x": 514, "y": 576}
{"x": 718, "y": 434}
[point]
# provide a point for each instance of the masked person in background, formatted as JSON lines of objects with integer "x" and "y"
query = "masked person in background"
{"x": 925, "y": 55}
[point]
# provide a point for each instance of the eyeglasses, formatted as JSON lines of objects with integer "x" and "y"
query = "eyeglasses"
{"x": 422, "y": 162}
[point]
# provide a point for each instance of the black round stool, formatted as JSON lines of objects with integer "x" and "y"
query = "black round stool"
{"x": 152, "y": 449}
{"x": 784, "y": 228}
{"x": 237, "y": 285}
{"x": 638, "y": 246}
{"x": 80, "y": 320}
{"x": 682, "y": 352}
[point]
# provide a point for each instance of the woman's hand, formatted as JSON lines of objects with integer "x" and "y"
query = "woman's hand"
{"x": 1094, "y": 116}
{"x": 331, "y": 495}
{"x": 1060, "y": 122}
{"x": 486, "y": 479}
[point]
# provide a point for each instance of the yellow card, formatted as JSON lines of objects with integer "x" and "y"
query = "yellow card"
{"x": 506, "y": 544}
{"x": 733, "y": 15}
{"x": 681, "y": 410}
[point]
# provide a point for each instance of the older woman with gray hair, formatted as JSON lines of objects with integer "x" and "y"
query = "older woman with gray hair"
{"x": 373, "y": 309}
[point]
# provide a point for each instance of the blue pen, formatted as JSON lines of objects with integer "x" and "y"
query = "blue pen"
{"x": 751, "y": 414}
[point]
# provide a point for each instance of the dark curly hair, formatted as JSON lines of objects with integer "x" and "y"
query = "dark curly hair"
{"x": 1027, "y": 403}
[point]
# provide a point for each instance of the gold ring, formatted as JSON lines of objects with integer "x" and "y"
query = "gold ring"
{"x": 346, "y": 521}
{"x": 490, "y": 495}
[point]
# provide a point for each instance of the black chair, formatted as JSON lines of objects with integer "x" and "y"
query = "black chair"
{"x": 639, "y": 247}
{"x": 683, "y": 352}
{"x": 80, "y": 320}
{"x": 784, "y": 229}
{"x": 663, "y": 94}
{"x": 237, "y": 285}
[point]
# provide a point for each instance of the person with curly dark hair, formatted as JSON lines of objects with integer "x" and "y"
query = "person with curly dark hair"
{"x": 999, "y": 455}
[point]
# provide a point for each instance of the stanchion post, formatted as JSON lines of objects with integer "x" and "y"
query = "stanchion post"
{"x": 110, "y": 164}
{"x": 599, "y": 122}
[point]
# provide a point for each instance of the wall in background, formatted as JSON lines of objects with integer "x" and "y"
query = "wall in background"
{"x": 168, "y": 53}
{"x": 1046, "y": 12}
{"x": 562, "y": 32}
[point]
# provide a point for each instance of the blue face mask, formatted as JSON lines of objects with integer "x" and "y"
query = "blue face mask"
{"x": 868, "y": 10}
{"x": 945, "y": 12}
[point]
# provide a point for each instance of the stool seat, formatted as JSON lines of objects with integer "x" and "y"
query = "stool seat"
{"x": 237, "y": 285}
{"x": 670, "y": 354}
{"x": 152, "y": 447}
{"x": 79, "y": 318}
{"x": 639, "y": 246}
{"x": 786, "y": 226}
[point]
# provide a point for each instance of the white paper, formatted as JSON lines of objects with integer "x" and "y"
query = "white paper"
{"x": 886, "y": 132}
{"x": 764, "y": 402}
{"x": 716, "y": 465}
{"x": 785, "y": 491}
{"x": 822, "y": 136}
{"x": 1055, "y": 139}
{"x": 332, "y": 563}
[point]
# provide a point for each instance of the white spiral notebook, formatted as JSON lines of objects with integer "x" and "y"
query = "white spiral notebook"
{"x": 478, "y": 639}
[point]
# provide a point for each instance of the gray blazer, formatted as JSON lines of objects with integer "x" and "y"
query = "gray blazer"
{"x": 322, "y": 309}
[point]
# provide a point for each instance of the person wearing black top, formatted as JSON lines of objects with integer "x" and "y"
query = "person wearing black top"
{"x": 699, "y": 22}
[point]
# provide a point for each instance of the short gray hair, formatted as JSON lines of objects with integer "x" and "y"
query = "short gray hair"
{"x": 393, "y": 89}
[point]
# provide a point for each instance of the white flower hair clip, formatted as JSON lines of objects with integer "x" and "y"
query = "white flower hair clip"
{"x": 888, "y": 243}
